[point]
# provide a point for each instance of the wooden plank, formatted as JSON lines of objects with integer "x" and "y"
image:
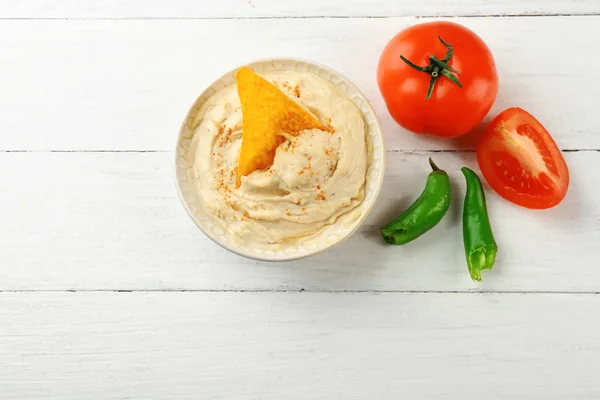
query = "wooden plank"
{"x": 298, "y": 346}
{"x": 275, "y": 8}
{"x": 112, "y": 221}
{"x": 126, "y": 85}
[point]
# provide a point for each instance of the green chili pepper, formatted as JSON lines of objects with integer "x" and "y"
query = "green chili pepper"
{"x": 424, "y": 213}
{"x": 480, "y": 246}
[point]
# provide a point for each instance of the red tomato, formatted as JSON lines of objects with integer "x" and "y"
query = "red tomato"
{"x": 521, "y": 161}
{"x": 451, "y": 110}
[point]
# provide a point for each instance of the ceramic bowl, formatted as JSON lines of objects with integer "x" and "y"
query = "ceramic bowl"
{"x": 329, "y": 236}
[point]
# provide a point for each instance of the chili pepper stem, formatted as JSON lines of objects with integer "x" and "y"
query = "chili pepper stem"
{"x": 433, "y": 166}
{"x": 480, "y": 259}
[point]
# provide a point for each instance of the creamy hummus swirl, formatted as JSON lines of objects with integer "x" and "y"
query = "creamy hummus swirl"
{"x": 317, "y": 178}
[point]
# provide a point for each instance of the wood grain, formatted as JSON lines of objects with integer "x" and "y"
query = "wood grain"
{"x": 278, "y": 9}
{"x": 91, "y": 97}
{"x": 127, "y": 85}
{"x": 71, "y": 346}
{"x": 87, "y": 221}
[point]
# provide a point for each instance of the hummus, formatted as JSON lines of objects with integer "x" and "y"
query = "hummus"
{"x": 317, "y": 177}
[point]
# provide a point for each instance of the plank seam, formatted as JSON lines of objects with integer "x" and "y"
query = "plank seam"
{"x": 474, "y": 292}
{"x": 259, "y": 17}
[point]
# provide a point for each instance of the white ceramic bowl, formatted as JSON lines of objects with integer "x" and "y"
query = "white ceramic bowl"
{"x": 331, "y": 235}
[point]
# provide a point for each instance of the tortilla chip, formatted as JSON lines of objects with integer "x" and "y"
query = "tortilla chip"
{"x": 266, "y": 112}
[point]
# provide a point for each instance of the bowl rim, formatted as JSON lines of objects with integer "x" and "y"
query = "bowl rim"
{"x": 264, "y": 256}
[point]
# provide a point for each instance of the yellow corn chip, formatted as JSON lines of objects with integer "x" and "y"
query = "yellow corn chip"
{"x": 266, "y": 112}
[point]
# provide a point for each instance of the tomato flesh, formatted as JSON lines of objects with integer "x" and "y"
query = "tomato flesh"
{"x": 521, "y": 161}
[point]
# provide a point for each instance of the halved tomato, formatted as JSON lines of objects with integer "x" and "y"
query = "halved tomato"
{"x": 521, "y": 161}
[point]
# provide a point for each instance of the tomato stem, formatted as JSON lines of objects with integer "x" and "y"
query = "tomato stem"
{"x": 437, "y": 67}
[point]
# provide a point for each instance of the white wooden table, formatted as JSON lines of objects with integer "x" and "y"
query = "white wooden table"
{"x": 108, "y": 290}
